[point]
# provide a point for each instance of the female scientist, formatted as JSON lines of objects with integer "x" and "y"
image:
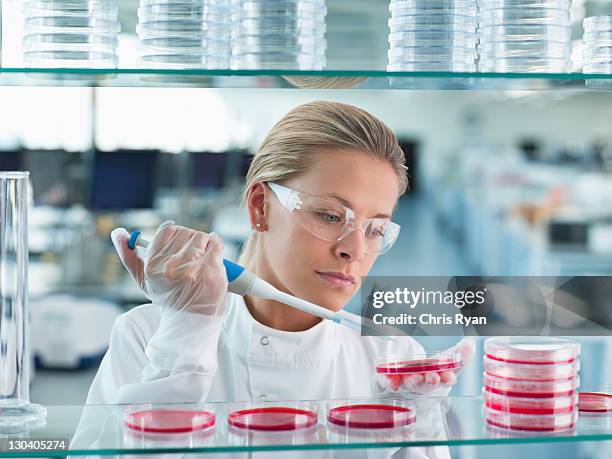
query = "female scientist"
{"x": 197, "y": 342}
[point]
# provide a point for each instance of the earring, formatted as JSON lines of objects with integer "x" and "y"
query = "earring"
{"x": 258, "y": 225}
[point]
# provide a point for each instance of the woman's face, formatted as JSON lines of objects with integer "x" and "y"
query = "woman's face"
{"x": 295, "y": 260}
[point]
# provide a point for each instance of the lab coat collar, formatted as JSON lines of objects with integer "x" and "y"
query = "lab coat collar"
{"x": 262, "y": 344}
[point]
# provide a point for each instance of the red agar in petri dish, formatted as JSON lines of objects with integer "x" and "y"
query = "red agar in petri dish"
{"x": 532, "y": 350}
{"x": 169, "y": 420}
{"x": 272, "y": 418}
{"x": 530, "y": 406}
{"x": 418, "y": 365}
{"x": 594, "y": 402}
{"x": 371, "y": 416}
{"x": 531, "y": 371}
{"x": 530, "y": 389}
{"x": 526, "y": 423}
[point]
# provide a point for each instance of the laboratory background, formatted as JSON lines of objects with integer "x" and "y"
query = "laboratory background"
{"x": 512, "y": 182}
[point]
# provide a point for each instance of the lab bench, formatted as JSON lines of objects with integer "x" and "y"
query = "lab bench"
{"x": 443, "y": 421}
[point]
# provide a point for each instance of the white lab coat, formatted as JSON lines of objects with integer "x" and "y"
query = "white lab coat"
{"x": 149, "y": 361}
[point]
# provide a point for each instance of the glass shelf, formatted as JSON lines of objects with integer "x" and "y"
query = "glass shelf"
{"x": 328, "y": 79}
{"x": 448, "y": 421}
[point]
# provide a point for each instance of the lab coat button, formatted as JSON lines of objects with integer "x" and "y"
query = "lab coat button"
{"x": 264, "y": 340}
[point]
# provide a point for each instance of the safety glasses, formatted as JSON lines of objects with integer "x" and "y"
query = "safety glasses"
{"x": 331, "y": 221}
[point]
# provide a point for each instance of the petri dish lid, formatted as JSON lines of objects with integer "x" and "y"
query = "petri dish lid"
{"x": 162, "y": 420}
{"x": 441, "y": 51}
{"x": 316, "y": 50}
{"x": 533, "y": 350}
{"x": 69, "y": 39}
{"x": 493, "y": 4}
{"x": 145, "y": 15}
{"x": 527, "y": 372}
{"x": 70, "y": 24}
{"x": 185, "y": 27}
{"x": 250, "y": 9}
{"x": 533, "y": 389}
{"x": 595, "y": 402}
{"x": 433, "y": 35}
{"x": 452, "y": 21}
{"x": 432, "y": 67}
{"x": 530, "y": 423}
{"x": 593, "y": 23}
{"x": 184, "y": 42}
{"x": 372, "y": 415}
{"x": 289, "y": 24}
{"x": 398, "y": 12}
{"x": 279, "y": 40}
{"x": 508, "y": 16}
{"x": 598, "y": 68}
{"x": 529, "y": 405}
{"x": 421, "y": 363}
{"x": 439, "y": 5}
{"x": 98, "y": 9}
{"x": 524, "y": 32}
{"x": 431, "y": 58}
{"x": 69, "y": 59}
{"x": 195, "y": 3}
{"x": 273, "y": 418}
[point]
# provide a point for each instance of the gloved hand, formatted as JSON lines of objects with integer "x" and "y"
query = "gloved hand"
{"x": 430, "y": 383}
{"x": 181, "y": 269}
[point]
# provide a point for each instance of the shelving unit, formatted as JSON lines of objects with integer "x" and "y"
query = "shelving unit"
{"x": 448, "y": 421}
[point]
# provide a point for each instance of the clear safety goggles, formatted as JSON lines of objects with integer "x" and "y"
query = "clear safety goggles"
{"x": 333, "y": 221}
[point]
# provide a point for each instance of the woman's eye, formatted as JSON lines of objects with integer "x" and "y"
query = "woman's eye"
{"x": 329, "y": 218}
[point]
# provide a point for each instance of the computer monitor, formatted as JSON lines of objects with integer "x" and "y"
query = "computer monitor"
{"x": 123, "y": 180}
{"x": 208, "y": 169}
{"x": 11, "y": 160}
{"x": 50, "y": 175}
{"x": 245, "y": 163}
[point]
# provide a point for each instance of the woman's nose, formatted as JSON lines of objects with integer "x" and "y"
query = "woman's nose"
{"x": 352, "y": 245}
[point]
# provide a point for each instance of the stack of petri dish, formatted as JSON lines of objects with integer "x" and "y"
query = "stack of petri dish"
{"x": 531, "y": 384}
{"x": 598, "y": 44}
{"x": 278, "y": 34}
{"x": 432, "y": 35}
{"x": 70, "y": 33}
{"x": 184, "y": 34}
{"x": 532, "y": 36}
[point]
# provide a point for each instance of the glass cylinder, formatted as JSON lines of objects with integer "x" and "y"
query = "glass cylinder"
{"x": 15, "y": 408}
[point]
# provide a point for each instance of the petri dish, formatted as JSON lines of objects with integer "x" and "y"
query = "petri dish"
{"x": 265, "y": 25}
{"x": 158, "y": 32}
{"x": 167, "y": 420}
{"x": 598, "y": 36}
{"x": 493, "y": 4}
{"x": 219, "y": 18}
{"x": 371, "y": 414}
{"x": 51, "y": 24}
{"x": 411, "y": 37}
{"x": 415, "y": 53}
{"x": 184, "y": 42}
{"x": 419, "y": 363}
{"x": 526, "y": 49}
{"x": 437, "y": 5}
{"x": 65, "y": 56}
{"x": 524, "y": 32}
{"x": 198, "y": 3}
{"x": 530, "y": 423}
{"x": 533, "y": 389}
{"x": 596, "y": 402}
{"x": 435, "y": 66}
{"x": 451, "y": 21}
{"x": 531, "y": 372}
{"x": 312, "y": 50}
{"x": 599, "y": 68}
{"x": 280, "y": 10}
{"x": 534, "y": 350}
{"x": 598, "y": 52}
{"x": 398, "y": 12}
{"x": 528, "y": 405}
{"x": 68, "y": 39}
{"x": 193, "y": 9}
{"x": 100, "y": 9}
{"x": 273, "y": 418}
{"x": 595, "y": 23}
{"x": 525, "y": 16}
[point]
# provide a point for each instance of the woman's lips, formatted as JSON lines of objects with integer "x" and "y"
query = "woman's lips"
{"x": 335, "y": 280}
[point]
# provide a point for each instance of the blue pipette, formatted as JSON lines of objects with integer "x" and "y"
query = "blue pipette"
{"x": 243, "y": 282}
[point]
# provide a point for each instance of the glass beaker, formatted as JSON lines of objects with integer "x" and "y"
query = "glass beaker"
{"x": 15, "y": 407}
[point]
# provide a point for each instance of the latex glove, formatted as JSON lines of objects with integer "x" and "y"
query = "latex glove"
{"x": 181, "y": 269}
{"x": 430, "y": 383}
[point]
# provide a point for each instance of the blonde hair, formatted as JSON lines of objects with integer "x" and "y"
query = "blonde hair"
{"x": 291, "y": 145}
